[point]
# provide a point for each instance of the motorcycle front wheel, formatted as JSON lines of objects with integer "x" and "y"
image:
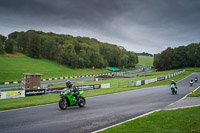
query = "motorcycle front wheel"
{"x": 63, "y": 104}
{"x": 81, "y": 101}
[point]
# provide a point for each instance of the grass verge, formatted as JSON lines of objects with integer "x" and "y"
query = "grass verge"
{"x": 195, "y": 94}
{"x": 173, "y": 121}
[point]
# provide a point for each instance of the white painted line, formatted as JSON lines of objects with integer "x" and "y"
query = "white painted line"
{"x": 183, "y": 107}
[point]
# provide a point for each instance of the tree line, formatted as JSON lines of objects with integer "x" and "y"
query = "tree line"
{"x": 144, "y": 54}
{"x": 76, "y": 52}
{"x": 179, "y": 57}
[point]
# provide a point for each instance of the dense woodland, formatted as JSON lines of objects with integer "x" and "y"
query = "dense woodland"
{"x": 179, "y": 57}
{"x": 76, "y": 52}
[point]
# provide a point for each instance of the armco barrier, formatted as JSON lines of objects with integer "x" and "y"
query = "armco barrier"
{"x": 141, "y": 82}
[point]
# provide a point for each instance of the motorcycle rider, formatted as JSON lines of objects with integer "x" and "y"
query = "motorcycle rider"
{"x": 72, "y": 88}
{"x": 195, "y": 79}
{"x": 173, "y": 83}
{"x": 191, "y": 82}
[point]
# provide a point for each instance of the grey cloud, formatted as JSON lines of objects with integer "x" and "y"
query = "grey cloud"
{"x": 138, "y": 25}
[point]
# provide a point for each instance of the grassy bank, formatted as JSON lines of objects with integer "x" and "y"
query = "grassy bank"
{"x": 175, "y": 121}
{"x": 195, "y": 94}
{"x": 12, "y": 68}
{"x": 145, "y": 60}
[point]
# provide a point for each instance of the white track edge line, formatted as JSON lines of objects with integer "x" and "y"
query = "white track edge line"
{"x": 183, "y": 107}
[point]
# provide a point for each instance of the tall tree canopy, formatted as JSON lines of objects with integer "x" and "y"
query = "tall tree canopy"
{"x": 182, "y": 56}
{"x": 76, "y": 52}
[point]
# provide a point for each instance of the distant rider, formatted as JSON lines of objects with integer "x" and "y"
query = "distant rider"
{"x": 72, "y": 88}
{"x": 195, "y": 79}
{"x": 173, "y": 83}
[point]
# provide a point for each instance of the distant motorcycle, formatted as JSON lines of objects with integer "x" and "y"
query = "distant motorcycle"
{"x": 173, "y": 89}
{"x": 191, "y": 82}
{"x": 195, "y": 79}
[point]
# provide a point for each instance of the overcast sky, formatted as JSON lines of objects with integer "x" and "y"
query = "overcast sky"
{"x": 138, "y": 25}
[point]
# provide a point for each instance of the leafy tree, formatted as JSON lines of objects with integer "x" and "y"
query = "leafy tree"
{"x": 9, "y": 45}
{"x": 132, "y": 59}
{"x": 22, "y": 42}
{"x": 13, "y": 35}
{"x": 49, "y": 48}
{"x": 167, "y": 59}
{"x": 180, "y": 57}
{"x": 34, "y": 45}
{"x": 156, "y": 62}
{"x": 2, "y": 38}
{"x": 124, "y": 61}
{"x": 1, "y": 47}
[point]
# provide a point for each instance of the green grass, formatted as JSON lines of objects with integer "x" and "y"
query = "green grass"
{"x": 195, "y": 94}
{"x": 13, "y": 103}
{"x": 12, "y": 68}
{"x": 145, "y": 60}
{"x": 175, "y": 121}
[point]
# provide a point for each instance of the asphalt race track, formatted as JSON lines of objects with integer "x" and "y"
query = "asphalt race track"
{"x": 99, "y": 112}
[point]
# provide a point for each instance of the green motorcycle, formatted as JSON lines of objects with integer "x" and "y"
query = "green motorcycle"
{"x": 67, "y": 99}
{"x": 173, "y": 89}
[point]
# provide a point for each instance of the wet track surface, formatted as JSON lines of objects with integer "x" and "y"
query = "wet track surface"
{"x": 99, "y": 112}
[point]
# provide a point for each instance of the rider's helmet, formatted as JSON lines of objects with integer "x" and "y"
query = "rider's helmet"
{"x": 68, "y": 84}
{"x": 172, "y": 80}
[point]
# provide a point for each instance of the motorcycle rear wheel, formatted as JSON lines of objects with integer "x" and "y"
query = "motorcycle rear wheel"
{"x": 63, "y": 104}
